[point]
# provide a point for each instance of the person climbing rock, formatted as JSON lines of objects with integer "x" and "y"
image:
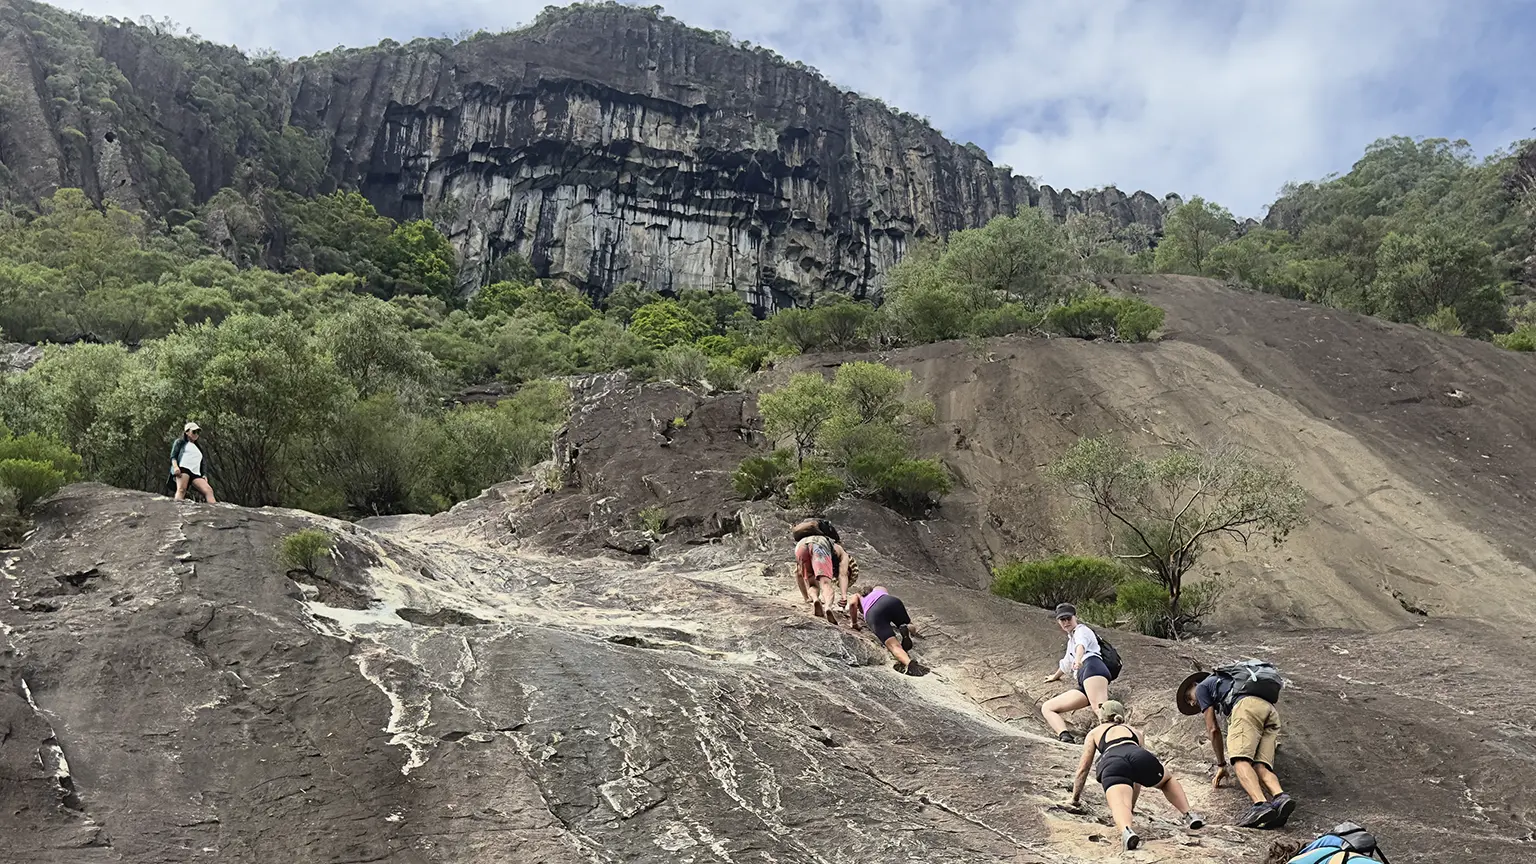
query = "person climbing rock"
{"x": 187, "y": 468}
{"x": 814, "y": 573}
{"x": 1242, "y": 699}
{"x": 1125, "y": 768}
{"x": 1084, "y": 661}
{"x": 1346, "y": 843}
{"x": 888, "y": 619}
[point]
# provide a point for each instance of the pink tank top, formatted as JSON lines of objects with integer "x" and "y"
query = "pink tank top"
{"x": 868, "y": 600}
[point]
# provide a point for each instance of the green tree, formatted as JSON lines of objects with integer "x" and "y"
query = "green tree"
{"x": 1418, "y": 274}
{"x": 1160, "y": 514}
{"x": 871, "y": 391}
{"x": 799, "y": 410}
{"x": 372, "y": 349}
{"x": 1010, "y": 258}
{"x": 1190, "y": 233}
{"x": 664, "y": 323}
{"x": 420, "y": 260}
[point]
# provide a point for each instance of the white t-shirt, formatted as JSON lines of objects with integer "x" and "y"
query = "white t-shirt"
{"x": 1080, "y": 635}
{"x": 192, "y": 460}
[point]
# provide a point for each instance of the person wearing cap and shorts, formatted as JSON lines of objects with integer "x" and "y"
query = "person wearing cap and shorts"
{"x": 1245, "y": 735}
{"x": 187, "y": 464}
{"x": 1084, "y": 662}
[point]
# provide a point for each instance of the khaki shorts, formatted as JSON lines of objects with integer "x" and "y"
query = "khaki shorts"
{"x": 1252, "y": 731}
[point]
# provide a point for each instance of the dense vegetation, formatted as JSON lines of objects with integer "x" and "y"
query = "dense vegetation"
{"x": 1418, "y": 231}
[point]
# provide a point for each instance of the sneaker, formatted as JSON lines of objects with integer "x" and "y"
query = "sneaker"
{"x": 1067, "y": 737}
{"x": 1284, "y": 806}
{"x": 1129, "y": 839}
{"x": 1260, "y": 815}
{"x": 1193, "y": 822}
{"x": 906, "y": 638}
{"x": 916, "y": 669}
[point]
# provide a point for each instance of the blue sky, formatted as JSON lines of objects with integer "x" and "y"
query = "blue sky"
{"x": 1223, "y": 98}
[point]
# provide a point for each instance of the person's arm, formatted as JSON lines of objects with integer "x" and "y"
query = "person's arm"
{"x": 855, "y": 610}
{"x": 176, "y": 456}
{"x": 1077, "y": 657}
{"x": 1083, "y": 764}
{"x": 1054, "y": 677}
{"x": 1218, "y": 746}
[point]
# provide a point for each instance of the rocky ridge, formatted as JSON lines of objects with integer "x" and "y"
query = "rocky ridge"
{"x": 605, "y": 143}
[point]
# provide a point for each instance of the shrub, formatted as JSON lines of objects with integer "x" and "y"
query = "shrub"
{"x": 31, "y": 479}
{"x": 654, "y": 520}
{"x": 814, "y": 488}
{"x": 866, "y": 451}
{"x": 1444, "y": 320}
{"x": 1126, "y": 319}
{"x": 304, "y": 550}
{"x": 37, "y": 448}
{"x": 12, "y": 527}
{"x": 915, "y": 485}
{"x": 1523, "y": 339}
{"x": 723, "y": 374}
{"x": 750, "y": 357}
{"x": 1005, "y": 320}
{"x": 1075, "y": 579}
{"x": 664, "y": 323}
{"x": 1147, "y": 607}
{"x": 683, "y": 365}
{"x": 761, "y": 477}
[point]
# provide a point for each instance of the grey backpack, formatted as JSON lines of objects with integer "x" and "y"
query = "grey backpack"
{"x": 1253, "y": 678}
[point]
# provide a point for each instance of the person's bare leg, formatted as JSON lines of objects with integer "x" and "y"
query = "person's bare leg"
{"x": 893, "y": 645}
{"x": 1267, "y": 779}
{"x": 842, "y": 581}
{"x": 182, "y": 481}
{"x": 1248, "y": 778}
{"x": 1098, "y": 691}
{"x": 1120, "y": 798}
{"x": 1174, "y": 793}
{"x": 1066, "y": 703}
{"x": 828, "y": 596}
{"x": 202, "y": 486}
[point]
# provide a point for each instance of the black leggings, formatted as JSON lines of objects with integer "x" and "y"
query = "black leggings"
{"x": 1129, "y": 765}
{"x": 885, "y": 616}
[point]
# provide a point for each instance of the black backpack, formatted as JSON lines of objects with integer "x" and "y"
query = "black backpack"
{"x": 1252, "y": 678}
{"x": 815, "y": 527}
{"x": 1111, "y": 658}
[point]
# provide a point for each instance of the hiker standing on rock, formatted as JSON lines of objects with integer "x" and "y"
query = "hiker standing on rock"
{"x": 887, "y": 617}
{"x": 187, "y": 464}
{"x": 1244, "y": 696}
{"x": 1084, "y": 661}
{"x": 1125, "y": 768}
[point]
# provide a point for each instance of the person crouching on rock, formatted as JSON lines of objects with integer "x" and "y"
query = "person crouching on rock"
{"x": 1125, "y": 768}
{"x": 814, "y": 574}
{"x": 1085, "y": 662}
{"x": 887, "y": 617}
{"x": 1252, "y": 735}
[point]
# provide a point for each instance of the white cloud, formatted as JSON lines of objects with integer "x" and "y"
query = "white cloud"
{"x": 1228, "y": 100}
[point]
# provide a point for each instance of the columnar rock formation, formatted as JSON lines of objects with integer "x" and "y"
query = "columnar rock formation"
{"x": 605, "y": 143}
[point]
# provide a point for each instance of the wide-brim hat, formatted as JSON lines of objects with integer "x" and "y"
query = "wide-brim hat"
{"x": 1186, "y": 702}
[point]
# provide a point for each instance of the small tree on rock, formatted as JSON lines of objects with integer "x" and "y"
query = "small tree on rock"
{"x": 799, "y": 409}
{"x": 1159, "y": 514}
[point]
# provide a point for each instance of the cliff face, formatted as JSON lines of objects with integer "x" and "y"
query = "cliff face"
{"x": 606, "y": 144}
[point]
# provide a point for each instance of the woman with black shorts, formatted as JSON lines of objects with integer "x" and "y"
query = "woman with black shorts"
{"x": 887, "y": 617}
{"x": 1084, "y": 661}
{"x": 1125, "y": 767}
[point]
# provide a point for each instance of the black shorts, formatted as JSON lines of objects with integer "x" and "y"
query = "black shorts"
{"x": 1129, "y": 765}
{"x": 885, "y": 616}
{"x": 191, "y": 475}
{"x": 1093, "y": 667}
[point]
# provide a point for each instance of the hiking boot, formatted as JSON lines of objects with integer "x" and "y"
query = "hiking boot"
{"x": 1284, "y": 806}
{"x": 1260, "y": 816}
{"x": 1193, "y": 822}
{"x": 1067, "y": 737}
{"x": 1129, "y": 839}
{"x": 916, "y": 669}
{"x": 906, "y": 638}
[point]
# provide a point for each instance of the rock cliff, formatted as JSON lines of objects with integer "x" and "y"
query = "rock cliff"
{"x": 605, "y": 143}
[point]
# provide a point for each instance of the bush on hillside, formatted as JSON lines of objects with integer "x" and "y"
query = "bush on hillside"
{"x": 1523, "y": 339}
{"x": 914, "y": 486}
{"x": 723, "y": 374}
{"x": 1124, "y": 319}
{"x": 760, "y": 477}
{"x": 1076, "y": 579}
{"x": 304, "y": 550}
{"x": 1146, "y": 606}
{"x": 31, "y": 480}
{"x": 683, "y": 365}
{"x": 814, "y": 488}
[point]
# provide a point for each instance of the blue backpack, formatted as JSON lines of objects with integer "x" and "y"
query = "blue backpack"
{"x": 1348, "y": 842}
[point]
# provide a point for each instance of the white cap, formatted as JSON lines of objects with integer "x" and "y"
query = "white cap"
{"x": 190, "y": 427}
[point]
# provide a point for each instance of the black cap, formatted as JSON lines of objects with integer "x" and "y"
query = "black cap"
{"x": 1065, "y": 611}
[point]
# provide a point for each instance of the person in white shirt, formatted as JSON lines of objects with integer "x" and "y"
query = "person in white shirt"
{"x": 187, "y": 464}
{"x": 1083, "y": 661}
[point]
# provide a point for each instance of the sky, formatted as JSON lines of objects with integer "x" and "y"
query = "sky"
{"x": 1229, "y": 99}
